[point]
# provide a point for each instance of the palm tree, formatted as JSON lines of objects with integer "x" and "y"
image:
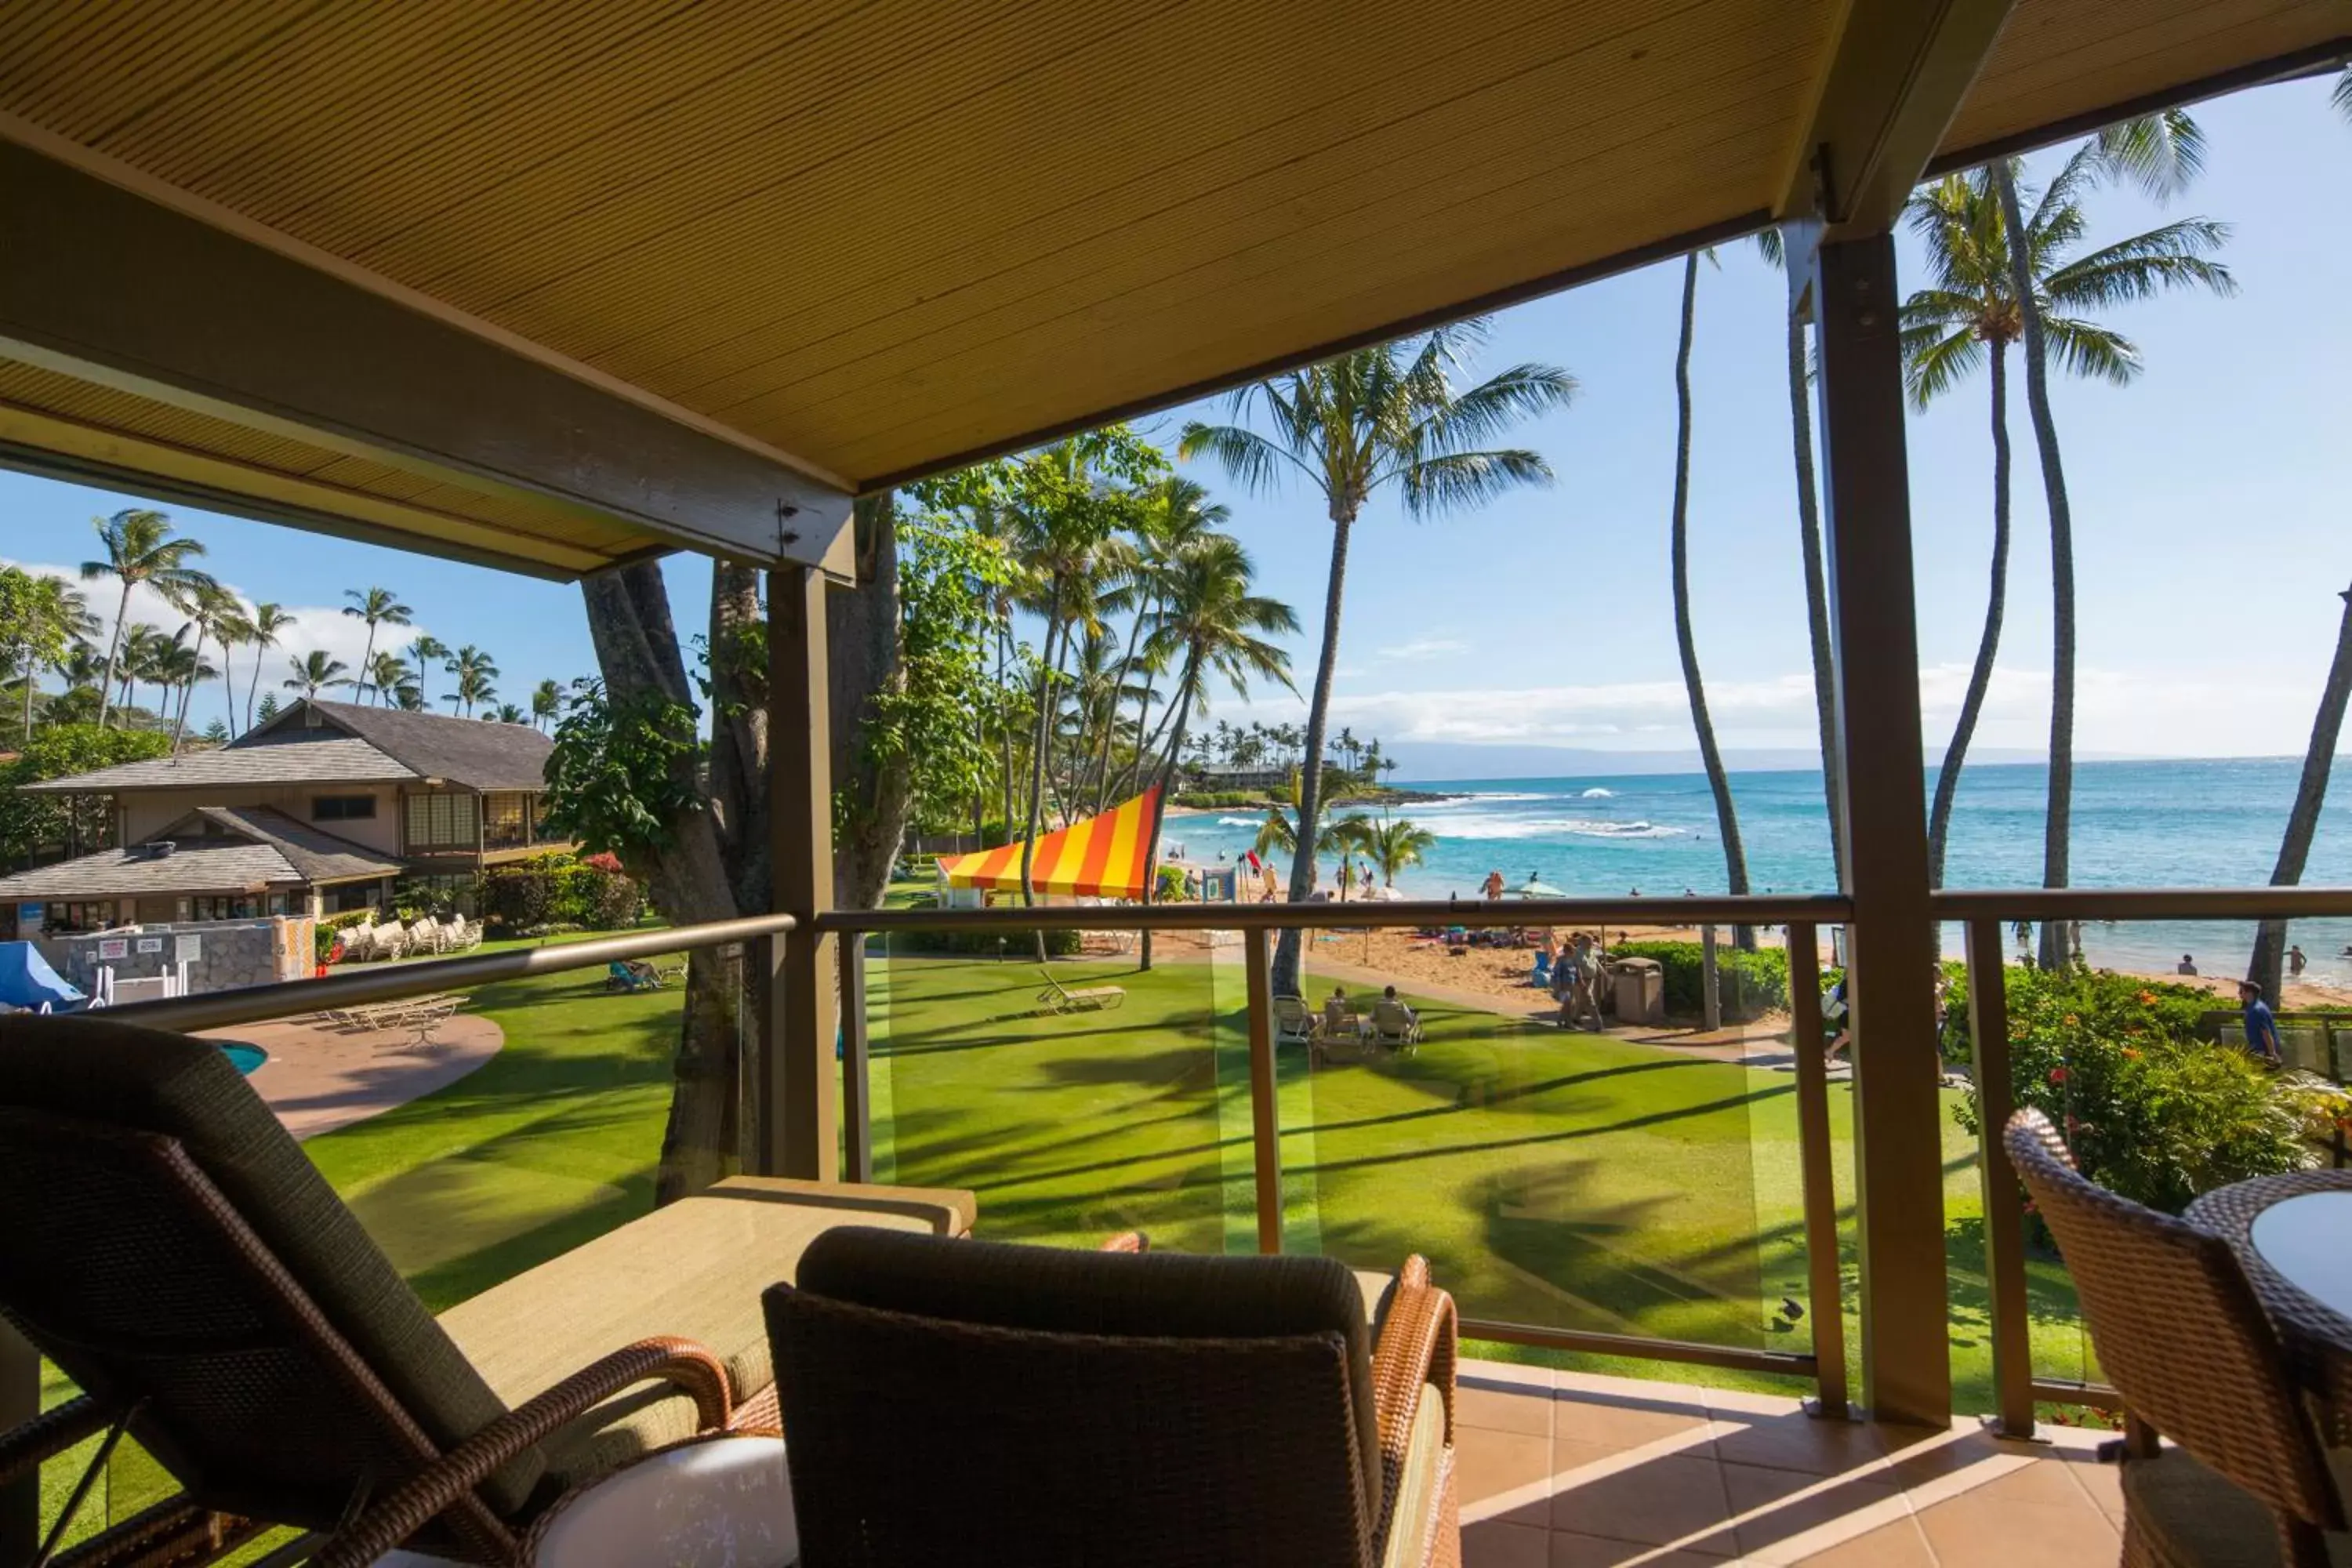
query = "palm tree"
{"x": 1809, "y": 541}
{"x": 314, "y": 672}
{"x": 546, "y": 702}
{"x": 209, "y": 607}
{"x": 507, "y": 713}
{"x": 139, "y": 549}
{"x": 1209, "y": 623}
{"x": 141, "y": 645}
{"x": 386, "y": 673}
{"x": 376, "y": 606}
{"x": 1178, "y": 512}
{"x": 180, "y": 665}
{"x": 408, "y": 697}
{"x": 475, "y": 671}
{"x": 1966, "y": 316}
{"x": 268, "y": 620}
{"x": 1393, "y": 846}
{"x": 422, "y": 650}
{"x": 2310, "y": 794}
{"x": 1726, "y": 816}
{"x": 1352, "y": 427}
{"x": 2161, "y": 155}
{"x": 233, "y": 630}
{"x": 57, "y": 617}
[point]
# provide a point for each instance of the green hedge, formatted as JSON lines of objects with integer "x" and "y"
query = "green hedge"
{"x": 1752, "y": 984}
{"x": 556, "y": 890}
{"x": 2149, "y": 1110}
{"x": 1220, "y": 799}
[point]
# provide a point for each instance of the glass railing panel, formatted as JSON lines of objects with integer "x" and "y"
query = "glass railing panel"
{"x": 1078, "y": 1096}
{"x": 2136, "y": 1052}
{"x": 479, "y": 1132}
{"x": 1633, "y": 1173}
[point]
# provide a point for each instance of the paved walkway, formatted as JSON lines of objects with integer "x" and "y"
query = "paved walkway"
{"x": 318, "y": 1078}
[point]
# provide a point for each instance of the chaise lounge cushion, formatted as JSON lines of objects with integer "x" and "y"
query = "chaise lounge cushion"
{"x": 694, "y": 1269}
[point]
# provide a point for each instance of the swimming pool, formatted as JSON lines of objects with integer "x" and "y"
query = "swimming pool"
{"x": 243, "y": 1057}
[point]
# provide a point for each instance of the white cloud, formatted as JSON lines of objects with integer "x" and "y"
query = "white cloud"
{"x": 319, "y": 626}
{"x": 1425, "y": 648}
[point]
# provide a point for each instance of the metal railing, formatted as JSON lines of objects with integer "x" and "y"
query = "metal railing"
{"x": 1985, "y": 917}
{"x": 1823, "y": 1361}
{"x": 399, "y": 981}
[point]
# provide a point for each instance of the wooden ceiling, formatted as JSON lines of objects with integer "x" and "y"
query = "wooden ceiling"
{"x": 884, "y": 236}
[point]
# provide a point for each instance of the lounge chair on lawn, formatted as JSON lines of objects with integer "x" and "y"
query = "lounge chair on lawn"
{"x": 1294, "y": 1022}
{"x": 168, "y": 1245}
{"x": 1059, "y": 998}
{"x": 1148, "y": 1409}
{"x": 622, "y": 974}
{"x": 1394, "y": 1024}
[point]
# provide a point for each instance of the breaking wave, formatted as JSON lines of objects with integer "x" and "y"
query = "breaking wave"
{"x": 1596, "y": 793}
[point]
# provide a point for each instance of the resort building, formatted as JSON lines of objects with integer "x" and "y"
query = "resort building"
{"x": 315, "y": 812}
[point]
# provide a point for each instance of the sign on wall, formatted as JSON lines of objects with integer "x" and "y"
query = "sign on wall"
{"x": 188, "y": 949}
{"x": 114, "y": 947}
{"x": 151, "y": 944}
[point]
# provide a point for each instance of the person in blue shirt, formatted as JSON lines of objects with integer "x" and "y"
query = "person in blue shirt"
{"x": 2262, "y": 1028}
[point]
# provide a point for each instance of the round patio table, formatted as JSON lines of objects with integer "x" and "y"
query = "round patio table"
{"x": 2293, "y": 1237}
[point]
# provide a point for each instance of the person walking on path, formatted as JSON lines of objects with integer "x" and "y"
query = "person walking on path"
{"x": 2262, "y": 1028}
{"x": 1578, "y": 998}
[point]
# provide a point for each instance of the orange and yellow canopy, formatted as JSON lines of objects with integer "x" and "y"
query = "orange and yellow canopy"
{"x": 1103, "y": 857}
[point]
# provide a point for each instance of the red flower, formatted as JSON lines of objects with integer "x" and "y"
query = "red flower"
{"x": 2057, "y": 1074}
{"x": 2148, "y": 998}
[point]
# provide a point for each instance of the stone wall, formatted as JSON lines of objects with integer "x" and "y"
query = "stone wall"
{"x": 228, "y": 954}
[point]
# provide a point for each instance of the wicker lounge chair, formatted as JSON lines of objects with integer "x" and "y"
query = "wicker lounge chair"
{"x": 1072, "y": 1407}
{"x": 2178, "y": 1330}
{"x": 168, "y": 1245}
{"x": 1059, "y": 998}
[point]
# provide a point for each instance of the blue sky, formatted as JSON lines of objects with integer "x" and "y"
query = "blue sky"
{"x": 2210, "y": 506}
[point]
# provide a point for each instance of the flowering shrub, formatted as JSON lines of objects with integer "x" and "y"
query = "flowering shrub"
{"x": 2150, "y": 1110}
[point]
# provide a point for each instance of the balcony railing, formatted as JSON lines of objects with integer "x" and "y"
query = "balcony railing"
{"x": 1253, "y": 1115}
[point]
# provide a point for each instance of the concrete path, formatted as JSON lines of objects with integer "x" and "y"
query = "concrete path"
{"x": 318, "y": 1079}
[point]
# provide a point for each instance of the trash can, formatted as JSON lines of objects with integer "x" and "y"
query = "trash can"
{"x": 1641, "y": 991}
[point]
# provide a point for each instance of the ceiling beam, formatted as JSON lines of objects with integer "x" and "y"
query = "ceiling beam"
{"x": 107, "y": 277}
{"x": 1894, "y": 80}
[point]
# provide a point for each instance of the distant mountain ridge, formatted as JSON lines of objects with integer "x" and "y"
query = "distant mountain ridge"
{"x": 1421, "y": 762}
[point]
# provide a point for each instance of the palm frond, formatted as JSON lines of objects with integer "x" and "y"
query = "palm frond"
{"x": 1252, "y": 459}
{"x": 1489, "y": 409}
{"x": 2172, "y": 256}
{"x": 1935, "y": 360}
{"x": 1462, "y": 479}
{"x": 2160, "y": 153}
{"x": 2091, "y": 351}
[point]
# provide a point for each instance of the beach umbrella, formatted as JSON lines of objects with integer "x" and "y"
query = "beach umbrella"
{"x": 1532, "y": 888}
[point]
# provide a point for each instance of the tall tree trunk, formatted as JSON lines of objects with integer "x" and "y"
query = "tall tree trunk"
{"x": 1310, "y": 771}
{"x": 1110, "y": 718}
{"x": 367, "y": 661}
{"x": 253, "y": 686}
{"x": 1037, "y": 763}
{"x": 1735, "y": 858}
{"x": 1948, "y": 778}
{"x": 2310, "y": 794}
{"x": 1143, "y": 719}
{"x": 1159, "y": 807}
{"x": 637, "y": 650}
{"x": 862, "y": 640}
{"x": 1004, "y": 646}
{"x": 188, "y": 693}
{"x": 2058, "y": 825}
{"x": 1817, "y": 600}
{"x": 113, "y": 654}
{"x": 31, "y": 665}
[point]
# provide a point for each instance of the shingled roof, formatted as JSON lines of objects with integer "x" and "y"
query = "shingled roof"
{"x": 215, "y": 850}
{"x": 348, "y": 744}
{"x": 466, "y": 752}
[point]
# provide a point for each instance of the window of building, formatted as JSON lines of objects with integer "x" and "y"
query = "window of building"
{"x": 506, "y": 820}
{"x": 440, "y": 822}
{"x": 342, "y": 807}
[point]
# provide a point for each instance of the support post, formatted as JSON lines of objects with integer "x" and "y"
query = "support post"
{"x": 1824, "y": 1278}
{"x": 1892, "y": 946}
{"x": 800, "y": 1124}
{"x": 1265, "y": 1111}
{"x": 2004, "y": 1217}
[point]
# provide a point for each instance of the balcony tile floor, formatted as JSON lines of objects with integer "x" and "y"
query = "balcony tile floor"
{"x": 1573, "y": 1470}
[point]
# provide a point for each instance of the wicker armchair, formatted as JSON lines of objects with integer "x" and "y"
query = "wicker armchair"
{"x": 982, "y": 1403}
{"x": 165, "y": 1242}
{"x": 2180, "y": 1332}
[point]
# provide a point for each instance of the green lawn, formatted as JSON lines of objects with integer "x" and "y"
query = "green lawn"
{"x": 1568, "y": 1180}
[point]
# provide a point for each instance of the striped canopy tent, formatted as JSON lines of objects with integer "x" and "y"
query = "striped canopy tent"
{"x": 1105, "y": 857}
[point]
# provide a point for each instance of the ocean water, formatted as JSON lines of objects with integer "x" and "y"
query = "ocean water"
{"x": 2212, "y": 823}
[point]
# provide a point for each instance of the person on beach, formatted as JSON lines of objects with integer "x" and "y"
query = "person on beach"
{"x": 2295, "y": 962}
{"x": 1579, "y": 999}
{"x": 1492, "y": 886}
{"x": 2188, "y": 965}
{"x": 2262, "y": 1028}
